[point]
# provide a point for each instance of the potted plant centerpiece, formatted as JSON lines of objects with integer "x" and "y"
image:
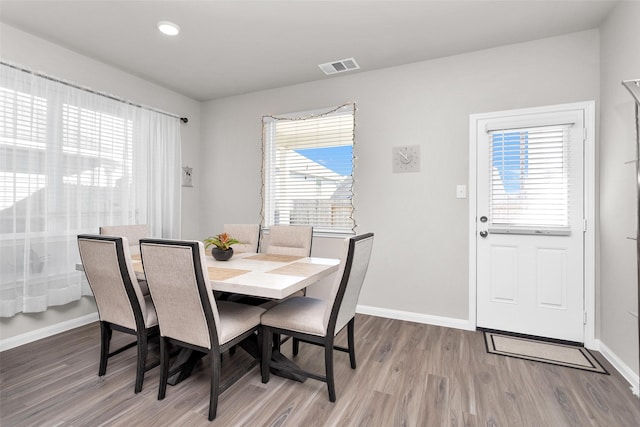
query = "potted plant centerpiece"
{"x": 221, "y": 243}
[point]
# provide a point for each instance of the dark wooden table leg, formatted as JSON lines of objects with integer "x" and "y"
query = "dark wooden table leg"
{"x": 283, "y": 360}
{"x": 250, "y": 345}
{"x": 188, "y": 359}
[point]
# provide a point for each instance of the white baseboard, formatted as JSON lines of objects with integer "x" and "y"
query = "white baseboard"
{"x": 619, "y": 365}
{"x": 632, "y": 378}
{"x": 449, "y": 322}
{"x": 38, "y": 334}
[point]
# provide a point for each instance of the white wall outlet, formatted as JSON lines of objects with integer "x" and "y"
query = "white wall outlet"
{"x": 187, "y": 175}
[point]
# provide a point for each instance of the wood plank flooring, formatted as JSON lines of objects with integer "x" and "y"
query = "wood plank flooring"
{"x": 408, "y": 374}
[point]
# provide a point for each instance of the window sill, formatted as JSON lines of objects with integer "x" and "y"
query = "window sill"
{"x": 333, "y": 235}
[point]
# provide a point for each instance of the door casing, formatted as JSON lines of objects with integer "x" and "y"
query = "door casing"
{"x": 589, "y": 209}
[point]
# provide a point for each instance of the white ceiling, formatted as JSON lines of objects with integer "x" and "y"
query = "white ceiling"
{"x": 232, "y": 47}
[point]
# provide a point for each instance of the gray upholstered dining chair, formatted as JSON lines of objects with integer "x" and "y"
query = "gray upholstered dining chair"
{"x": 247, "y": 234}
{"x": 120, "y": 302}
{"x": 133, "y": 233}
{"x": 288, "y": 240}
{"x": 318, "y": 321}
{"x": 188, "y": 313}
{"x": 294, "y": 240}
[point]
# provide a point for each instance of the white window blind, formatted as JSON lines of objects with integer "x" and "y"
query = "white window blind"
{"x": 308, "y": 170}
{"x": 529, "y": 183}
{"x": 72, "y": 160}
{"x": 23, "y": 120}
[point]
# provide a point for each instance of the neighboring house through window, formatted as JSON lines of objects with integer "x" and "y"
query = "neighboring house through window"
{"x": 308, "y": 169}
{"x": 72, "y": 161}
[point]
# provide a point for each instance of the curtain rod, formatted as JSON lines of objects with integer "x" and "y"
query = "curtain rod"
{"x": 86, "y": 89}
{"x": 633, "y": 86}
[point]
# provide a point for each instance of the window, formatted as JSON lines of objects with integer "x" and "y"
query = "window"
{"x": 23, "y": 120}
{"x": 96, "y": 151}
{"x": 71, "y": 161}
{"x": 308, "y": 170}
{"x": 529, "y": 183}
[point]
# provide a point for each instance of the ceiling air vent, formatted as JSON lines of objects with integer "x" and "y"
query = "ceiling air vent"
{"x": 340, "y": 66}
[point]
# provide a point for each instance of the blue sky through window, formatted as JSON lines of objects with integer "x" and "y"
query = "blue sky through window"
{"x": 511, "y": 159}
{"x": 337, "y": 159}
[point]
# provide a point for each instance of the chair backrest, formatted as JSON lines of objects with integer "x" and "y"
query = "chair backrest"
{"x": 179, "y": 286}
{"x": 349, "y": 279}
{"x": 289, "y": 240}
{"x": 107, "y": 264}
{"x": 132, "y": 232}
{"x": 247, "y": 234}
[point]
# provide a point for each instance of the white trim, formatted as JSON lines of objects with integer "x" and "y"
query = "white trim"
{"x": 472, "y": 194}
{"x": 589, "y": 206}
{"x": 409, "y": 316}
{"x": 627, "y": 373}
{"x": 38, "y": 334}
{"x": 590, "y": 189}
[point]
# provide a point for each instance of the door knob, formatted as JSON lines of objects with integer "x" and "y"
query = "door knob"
{"x": 484, "y": 234}
{"x": 483, "y": 219}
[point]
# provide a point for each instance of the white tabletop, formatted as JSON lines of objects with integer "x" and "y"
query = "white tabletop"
{"x": 261, "y": 275}
{"x": 266, "y": 275}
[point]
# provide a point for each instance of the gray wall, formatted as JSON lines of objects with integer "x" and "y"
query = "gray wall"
{"x": 24, "y": 49}
{"x": 420, "y": 262}
{"x": 620, "y": 60}
{"x": 420, "y": 259}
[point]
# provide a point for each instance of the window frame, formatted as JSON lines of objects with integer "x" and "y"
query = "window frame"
{"x": 270, "y": 173}
{"x": 541, "y": 157}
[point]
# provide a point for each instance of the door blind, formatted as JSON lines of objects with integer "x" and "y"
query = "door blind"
{"x": 529, "y": 190}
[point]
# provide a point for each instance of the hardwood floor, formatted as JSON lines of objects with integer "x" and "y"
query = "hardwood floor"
{"x": 408, "y": 374}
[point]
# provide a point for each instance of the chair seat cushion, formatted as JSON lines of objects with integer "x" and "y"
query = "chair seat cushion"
{"x": 261, "y": 302}
{"x": 235, "y": 319}
{"x": 301, "y": 314}
{"x": 270, "y": 303}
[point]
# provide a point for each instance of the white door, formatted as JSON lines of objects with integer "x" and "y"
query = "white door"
{"x": 530, "y": 223}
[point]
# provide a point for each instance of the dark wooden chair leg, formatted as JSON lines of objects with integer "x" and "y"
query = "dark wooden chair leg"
{"x": 351, "y": 340}
{"x": 260, "y": 343}
{"x": 328, "y": 361}
{"x": 164, "y": 368}
{"x": 276, "y": 342}
{"x": 266, "y": 354}
{"x": 296, "y": 346}
{"x": 142, "y": 360}
{"x": 105, "y": 341}
{"x": 215, "y": 385}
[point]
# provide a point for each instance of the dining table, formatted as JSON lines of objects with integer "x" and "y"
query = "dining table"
{"x": 262, "y": 275}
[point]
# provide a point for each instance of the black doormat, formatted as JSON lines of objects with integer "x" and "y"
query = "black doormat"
{"x": 520, "y": 347}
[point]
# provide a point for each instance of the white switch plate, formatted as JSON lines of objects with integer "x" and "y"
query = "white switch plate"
{"x": 461, "y": 191}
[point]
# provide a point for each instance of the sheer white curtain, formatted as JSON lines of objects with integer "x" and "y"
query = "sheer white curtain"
{"x": 71, "y": 161}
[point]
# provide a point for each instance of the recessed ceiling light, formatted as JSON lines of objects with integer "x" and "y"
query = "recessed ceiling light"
{"x": 168, "y": 28}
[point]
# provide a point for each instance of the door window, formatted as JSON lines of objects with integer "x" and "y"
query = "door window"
{"x": 529, "y": 180}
